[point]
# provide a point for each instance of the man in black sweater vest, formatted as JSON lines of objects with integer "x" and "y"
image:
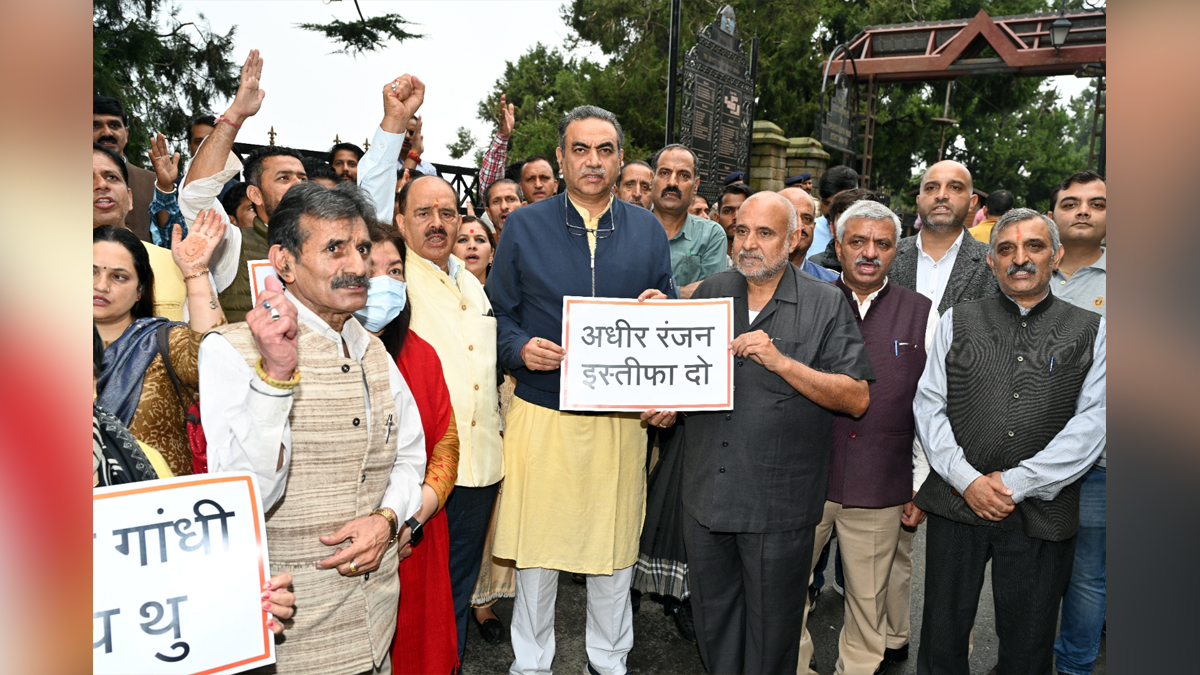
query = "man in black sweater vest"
{"x": 1011, "y": 410}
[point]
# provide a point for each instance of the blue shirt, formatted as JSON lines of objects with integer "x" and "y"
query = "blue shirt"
{"x": 821, "y": 235}
{"x": 545, "y": 257}
{"x": 817, "y": 271}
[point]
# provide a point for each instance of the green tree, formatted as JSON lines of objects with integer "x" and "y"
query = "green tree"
{"x": 465, "y": 143}
{"x": 1001, "y": 116}
{"x": 162, "y": 69}
{"x": 364, "y": 35}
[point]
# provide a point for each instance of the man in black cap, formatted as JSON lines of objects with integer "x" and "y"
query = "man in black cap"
{"x": 735, "y": 177}
{"x": 110, "y": 128}
{"x": 802, "y": 181}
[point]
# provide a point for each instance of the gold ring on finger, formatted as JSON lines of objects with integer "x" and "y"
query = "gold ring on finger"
{"x": 353, "y": 567}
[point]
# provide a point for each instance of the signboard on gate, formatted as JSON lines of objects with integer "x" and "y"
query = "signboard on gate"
{"x": 625, "y": 355}
{"x": 717, "y": 116}
{"x": 178, "y": 569}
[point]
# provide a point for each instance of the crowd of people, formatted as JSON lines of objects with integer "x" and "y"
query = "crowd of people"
{"x": 395, "y": 388}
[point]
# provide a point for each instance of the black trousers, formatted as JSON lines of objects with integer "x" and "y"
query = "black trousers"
{"x": 748, "y": 597}
{"x": 1029, "y": 577}
{"x": 468, "y": 512}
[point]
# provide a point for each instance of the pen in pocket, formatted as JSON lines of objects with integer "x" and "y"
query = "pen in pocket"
{"x": 896, "y": 347}
{"x": 1051, "y": 365}
{"x": 388, "y": 436}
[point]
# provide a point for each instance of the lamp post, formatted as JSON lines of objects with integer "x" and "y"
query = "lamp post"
{"x": 1060, "y": 28}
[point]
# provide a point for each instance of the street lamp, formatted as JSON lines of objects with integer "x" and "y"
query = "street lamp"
{"x": 1058, "y": 32}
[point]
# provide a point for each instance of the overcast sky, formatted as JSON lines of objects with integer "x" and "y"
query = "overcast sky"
{"x": 313, "y": 95}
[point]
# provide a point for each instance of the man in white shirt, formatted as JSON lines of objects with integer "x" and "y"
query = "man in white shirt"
{"x": 943, "y": 261}
{"x": 339, "y": 458}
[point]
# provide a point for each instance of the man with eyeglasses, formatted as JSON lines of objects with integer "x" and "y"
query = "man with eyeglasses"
{"x": 574, "y": 485}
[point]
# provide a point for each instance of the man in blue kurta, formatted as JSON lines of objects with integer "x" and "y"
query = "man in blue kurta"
{"x": 575, "y": 485}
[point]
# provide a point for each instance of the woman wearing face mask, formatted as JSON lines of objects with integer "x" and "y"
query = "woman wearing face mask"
{"x": 133, "y": 383}
{"x": 426, "y": 639}
{"x": 475, "y": 247}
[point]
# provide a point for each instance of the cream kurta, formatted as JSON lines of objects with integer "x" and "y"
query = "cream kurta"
{"x": 170, "y": 291}
{"x": 455, "y": 317}
{"x": 574, "y": 490}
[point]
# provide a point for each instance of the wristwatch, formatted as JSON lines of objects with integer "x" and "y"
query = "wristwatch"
{"x": 418, "y": 531}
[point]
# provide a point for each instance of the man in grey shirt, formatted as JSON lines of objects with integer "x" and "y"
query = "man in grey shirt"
{"x": 755, "y": 477}
{"x": 1079, "y": 206}
{"x": 1011, "y": 410}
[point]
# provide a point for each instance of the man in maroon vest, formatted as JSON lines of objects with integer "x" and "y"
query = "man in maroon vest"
{"x": 874, "y": 470}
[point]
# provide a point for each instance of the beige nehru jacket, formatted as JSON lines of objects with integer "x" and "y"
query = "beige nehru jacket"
{"x": 338, "y": 472}
{"x": 455, "y": 317}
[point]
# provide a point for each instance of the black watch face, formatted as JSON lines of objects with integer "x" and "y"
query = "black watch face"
{"x": 418, "y": 532}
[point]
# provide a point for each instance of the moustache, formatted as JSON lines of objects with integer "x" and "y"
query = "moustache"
{"x": 107, "y": 139}
{"x": 673, "y": 191}
{"x": 873, "y": 261}
{"x": 745, "y": 255}
{"x": 589, "y": 173}
{"x": 435, "y": 230}
{"x": 1026, "y": 266}
{"x": 349, "y": 280}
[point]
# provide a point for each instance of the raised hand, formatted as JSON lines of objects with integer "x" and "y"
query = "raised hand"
{"x": 192, "y": 254}
{"x": 249, "y": 97}
{"x": 276, "y": 329}
{"x": 402, "y": 97}
{"x": 508, "y": 116}
{"x": 166, "y": 165}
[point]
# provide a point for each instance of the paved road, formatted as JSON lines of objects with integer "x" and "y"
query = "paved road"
{"x": 659, "y": 649}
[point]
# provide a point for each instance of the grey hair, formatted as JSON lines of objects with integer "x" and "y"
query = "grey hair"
{"x": 870, "y": 210}
{"x": 585, "y": 112}
{"x": 345, "y": 201}
{"x": 793, "y": 220}
{"x": 1016, "y": 216}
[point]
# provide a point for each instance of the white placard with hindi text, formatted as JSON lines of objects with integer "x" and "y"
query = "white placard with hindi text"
{"x": 625, "y": 355}
{"x": 259, "y": 271}
{"x": 178, "y": 568}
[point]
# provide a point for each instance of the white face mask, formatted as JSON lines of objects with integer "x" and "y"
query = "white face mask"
{"x": 386, "y": 297}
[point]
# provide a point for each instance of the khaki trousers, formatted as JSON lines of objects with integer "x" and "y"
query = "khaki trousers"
{"x": 867, "y": 539}
{"x": 899, "y": 592}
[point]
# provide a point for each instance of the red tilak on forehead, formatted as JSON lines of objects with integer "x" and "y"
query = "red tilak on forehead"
{"x": 472, "y": 231}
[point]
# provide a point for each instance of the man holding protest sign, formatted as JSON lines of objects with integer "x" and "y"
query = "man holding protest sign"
{"x": 575, "y": 485}
{"x": 755, "y": 477}
{"x": 340, "y": 458}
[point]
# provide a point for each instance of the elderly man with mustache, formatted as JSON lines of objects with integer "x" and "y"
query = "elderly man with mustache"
{"x": 874, "y": 468}
{"x": 1011, "y": 411}
{"x": 452, "y": 312}
{"x": 754, "y": 477}
{"x": 302, "y": 395}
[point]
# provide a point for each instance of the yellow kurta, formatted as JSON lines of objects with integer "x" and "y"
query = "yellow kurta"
{"x": 170, "y": 290}
{"x": 574, "y": 490}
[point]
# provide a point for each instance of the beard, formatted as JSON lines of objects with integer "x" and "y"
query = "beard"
{"x": 766, "y": 272}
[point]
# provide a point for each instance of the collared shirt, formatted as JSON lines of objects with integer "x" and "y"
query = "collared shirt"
{"x": 591, "y": 224}
{"x": 697, "y": 250}
{"x": 202, "y": 194}
{"x": 920, "y": 461}
{"x": 1063, "y": 461}
{"x": 932, "y": 275}
{"x": 1086, "y": 288}
{"x": 492, "y": 168}
{"x": 453, "y": 264}
{"x": 246, "y": 420}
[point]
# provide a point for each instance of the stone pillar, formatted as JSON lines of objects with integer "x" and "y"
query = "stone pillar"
{"x": 768, "y": 157}
{"x": 806, "y": 154}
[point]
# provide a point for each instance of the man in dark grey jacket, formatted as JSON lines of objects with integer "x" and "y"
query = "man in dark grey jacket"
{"x": 755, "y": 477}
{"x": 943, "y": 261}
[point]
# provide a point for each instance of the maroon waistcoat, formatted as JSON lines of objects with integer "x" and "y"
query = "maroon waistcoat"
{"x": 870, "y": 464}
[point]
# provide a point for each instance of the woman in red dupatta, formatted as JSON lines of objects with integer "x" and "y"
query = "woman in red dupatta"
{"x": 426, "y": 640}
